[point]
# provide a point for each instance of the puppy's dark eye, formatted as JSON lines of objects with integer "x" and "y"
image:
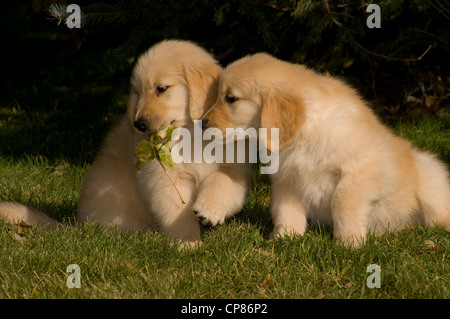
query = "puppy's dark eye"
{"x": 161, "y": 89}
{"x": 230, "y": 99}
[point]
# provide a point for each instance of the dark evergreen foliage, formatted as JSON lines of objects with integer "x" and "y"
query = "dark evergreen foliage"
{"x": 404, "y": 61}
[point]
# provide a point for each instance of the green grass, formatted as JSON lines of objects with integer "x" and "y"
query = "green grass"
{"x": 237, "y": 260}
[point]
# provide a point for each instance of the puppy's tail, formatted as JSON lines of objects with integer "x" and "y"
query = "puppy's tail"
{"x": 434, "y": 190}
{"x": 15, "y": 213}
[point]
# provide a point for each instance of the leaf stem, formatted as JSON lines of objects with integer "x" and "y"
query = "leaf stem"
{"x": 173, "y": 183}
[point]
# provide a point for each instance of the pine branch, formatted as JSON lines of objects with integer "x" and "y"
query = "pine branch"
{"x": 97, "y": 13}
{"x": 58, "y": 12}
{"x": 391, "y": 58}
{"x": 330, "y": 14}
{"x": 278, "y": 8}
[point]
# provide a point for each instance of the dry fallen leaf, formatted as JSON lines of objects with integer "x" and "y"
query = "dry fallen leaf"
{"x": 263, "y": 200}
{"x": 22, "y": 228}
{"x": 266, "y": 280}
{"x": 429, "y": 245}
{"x": 263, "y": 252}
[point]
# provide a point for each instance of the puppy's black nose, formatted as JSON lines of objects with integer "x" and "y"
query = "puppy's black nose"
{"x": 141, "y": 124}
{"x": 204, "y": 124}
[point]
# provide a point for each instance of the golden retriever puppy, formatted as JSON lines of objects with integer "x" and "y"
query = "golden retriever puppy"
{"x": 338, "y": 165}
{"x": 174, "y": 82}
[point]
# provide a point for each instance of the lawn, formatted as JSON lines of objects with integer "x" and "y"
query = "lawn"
{"x": 237, "y": 260}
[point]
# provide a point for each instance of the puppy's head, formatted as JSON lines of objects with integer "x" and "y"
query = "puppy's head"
{"x": 259, "y": 91}
{"x": 174, "y": 82}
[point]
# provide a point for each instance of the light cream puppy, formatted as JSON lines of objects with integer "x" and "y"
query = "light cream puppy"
{"x": 174, "y": 82}
{"x": 338, "y": 164}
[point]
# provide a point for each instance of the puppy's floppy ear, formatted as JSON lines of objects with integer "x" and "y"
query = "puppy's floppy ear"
{"x": 282, "y": 109}
{"x": 203, "y": 81}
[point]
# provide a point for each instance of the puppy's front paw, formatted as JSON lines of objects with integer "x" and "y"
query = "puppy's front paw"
{"x": 187, "y": 245}
{"x": 209, "y": 220}
{"x": 352, "y": 242}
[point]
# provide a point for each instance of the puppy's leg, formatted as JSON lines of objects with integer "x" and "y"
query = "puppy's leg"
{"x": 174, "y": 217}
{"x": 433, "y": 190}
{"x": 350, "y": 208}
{"x": 288, "y": 213}
{"x": 222, "y": 194}
{"x": 109, "y": 197}
{"x": 109, "y": 194}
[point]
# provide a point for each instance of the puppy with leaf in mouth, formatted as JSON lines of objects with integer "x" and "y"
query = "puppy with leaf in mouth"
{"x": 172, "y": 85}
{"x": 338, "y": 165}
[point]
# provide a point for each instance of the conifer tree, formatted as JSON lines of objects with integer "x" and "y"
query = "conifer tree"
{"x": 407, "y": 56}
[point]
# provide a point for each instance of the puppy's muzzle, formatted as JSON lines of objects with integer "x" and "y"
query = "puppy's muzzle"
{"x": 141, "y": 124}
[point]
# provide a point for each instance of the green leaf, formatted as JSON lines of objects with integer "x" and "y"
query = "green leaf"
{"x": 156, "y": 147}
{"x": 145, "y": 149}
{"x": 145, "y": 153}
{"x": 166, "y": 133}
{"x": 162, "y": 137}
{"x": 165, "y": 156}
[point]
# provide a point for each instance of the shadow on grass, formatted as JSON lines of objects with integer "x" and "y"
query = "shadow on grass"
{"x": 57, "y": 100}
{"x": 73, "y": 135}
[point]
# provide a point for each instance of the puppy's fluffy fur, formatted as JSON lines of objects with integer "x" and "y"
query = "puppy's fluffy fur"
{"x": 174, "y": 82}
{"x": 338, "y": 164}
